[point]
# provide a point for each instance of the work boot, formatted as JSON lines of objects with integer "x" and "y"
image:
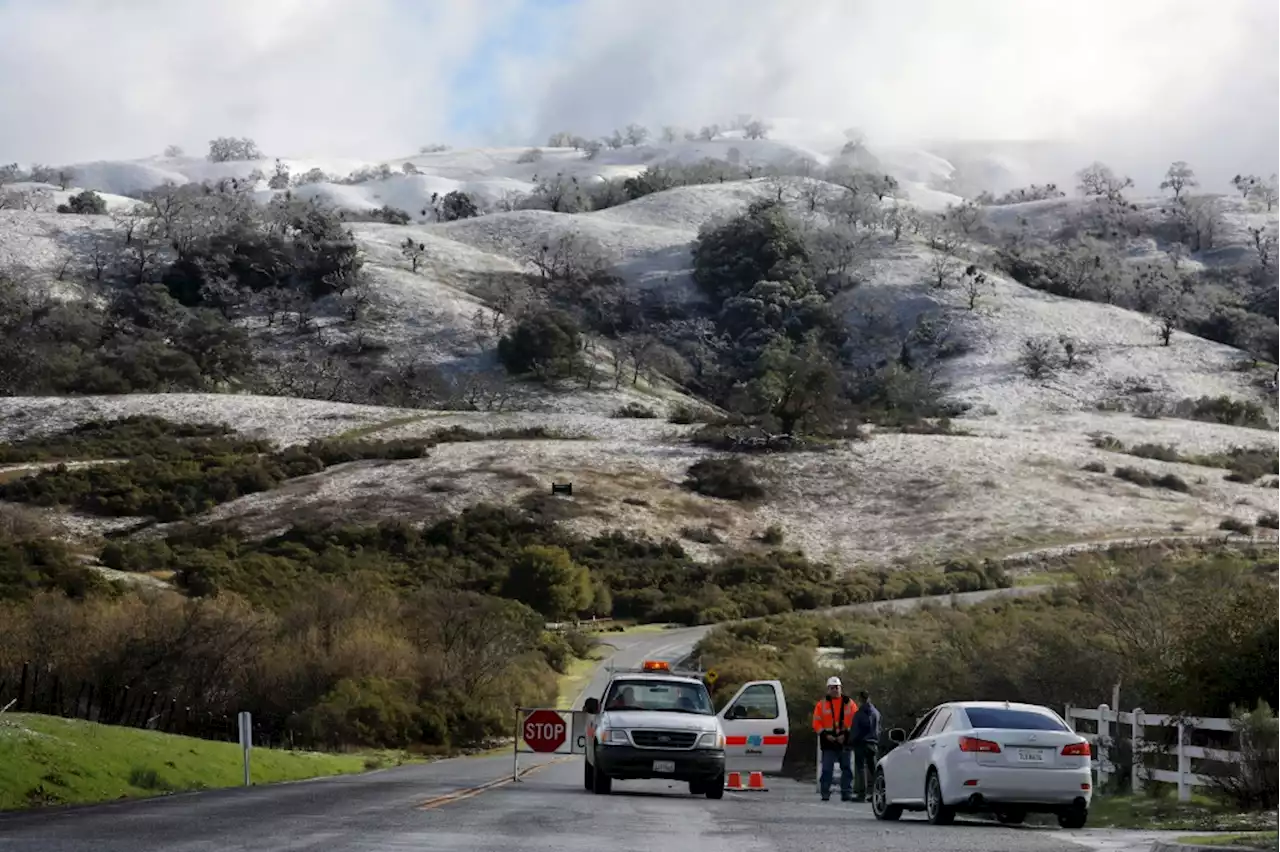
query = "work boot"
{"x": 826, "y": 797}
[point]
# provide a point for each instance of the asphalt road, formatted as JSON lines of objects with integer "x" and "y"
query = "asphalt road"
{"x": 547, "y": 811}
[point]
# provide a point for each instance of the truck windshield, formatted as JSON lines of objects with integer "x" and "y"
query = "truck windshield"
{"x": 670, "y": 696}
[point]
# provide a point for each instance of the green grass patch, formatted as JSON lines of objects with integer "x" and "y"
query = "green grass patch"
{"x": 1246, "y": 464}
{"x": 380, "y": 426}
{"x": 53, "y": 761}
{"x": 576, "y": 677}
{"x": 1166, "y": 813}
{"x": 1250, "y": 840}
{"x": 131, "y": 437}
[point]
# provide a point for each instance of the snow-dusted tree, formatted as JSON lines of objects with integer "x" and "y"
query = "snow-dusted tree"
{"x": 409, "y": 168}
{"x": 1200, "y": 219}
{"x": 434, "y": 148}
{"x": 1244, "y": 184}
{"x": 755, "y": 129}
{"x": 897, "y": 218}
{"x": 173, "y": 151}
{"x": 311, "y": 176}
{"x": 9, "y": 173}
{"x": 532, "y": 155}
{"x": 457, "y": 205}
{"x": 670, "y": 133}
{"x": 279, "y": 177}
{"x": 413, "y": 251}
{"x": 943, "y": 267}
{"x": 1097, "y": 179}
{"x": 635, "y": 134}
{"x": 227, "y": 149}
{"x": 1266, "y": 191}
{"x": 592, "y": 147}
{"x": 974, "y": 284}
{"x": 65, "y": 177}
{"x": 709, "y": 132}
{"x": 965, "y": 217}
{"x": 40, "y": 173}
{"x": 1179, "y": 177}
{"x": 563, "y": 139}
{"x": 559, "y": 193}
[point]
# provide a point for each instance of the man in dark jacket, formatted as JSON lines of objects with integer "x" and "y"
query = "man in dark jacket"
{"x": 865, "y": 738}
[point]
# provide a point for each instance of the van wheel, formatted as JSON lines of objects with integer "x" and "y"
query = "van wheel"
{"x": 715, "y": 787}
{"x": 880, "y": 807}
{"x": 934, "y": 807}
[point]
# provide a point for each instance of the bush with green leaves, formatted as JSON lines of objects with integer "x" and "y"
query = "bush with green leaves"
{"x": 730, "y": 478}
{"x": 545, "y": 344}
{"x": 86, "y": 202}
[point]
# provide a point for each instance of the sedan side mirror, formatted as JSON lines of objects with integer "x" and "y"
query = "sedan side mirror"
{"x": 591, "y": 706}
{"x": 897, "y": 735}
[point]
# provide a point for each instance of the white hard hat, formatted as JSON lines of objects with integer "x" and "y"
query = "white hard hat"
{"x": 833, "y": 681}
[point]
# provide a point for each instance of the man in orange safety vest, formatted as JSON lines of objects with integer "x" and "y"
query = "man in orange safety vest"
{"x": 832, "y": 722}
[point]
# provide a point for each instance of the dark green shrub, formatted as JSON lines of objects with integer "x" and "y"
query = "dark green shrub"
{"x": 730, "y": 478}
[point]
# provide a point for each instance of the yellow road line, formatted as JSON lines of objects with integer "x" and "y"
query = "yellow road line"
{"x": 469, "y": 792}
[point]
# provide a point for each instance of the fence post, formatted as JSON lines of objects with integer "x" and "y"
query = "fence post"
{"x": 515, "y": 749}
{"x": 817, "y": 767}
{"x": 1135, "y": 747}
{"x": 1184, "y": 765}
{"x": 1104, "y": 737}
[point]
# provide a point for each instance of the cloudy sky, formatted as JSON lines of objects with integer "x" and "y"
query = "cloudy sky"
{"x": 1132, "y": 80}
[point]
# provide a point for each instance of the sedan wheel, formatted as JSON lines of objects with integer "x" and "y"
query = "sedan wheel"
{"x": 935, "y": 809}
{"x": 880, "y": 807}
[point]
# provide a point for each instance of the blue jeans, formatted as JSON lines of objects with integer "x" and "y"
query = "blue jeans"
{"x": 829, "y": 758}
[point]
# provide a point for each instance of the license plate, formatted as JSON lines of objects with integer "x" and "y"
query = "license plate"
{"x": 1031, "y": 755}
{"x": 667, "y": 766}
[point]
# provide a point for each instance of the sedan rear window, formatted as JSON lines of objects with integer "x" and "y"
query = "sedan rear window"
{"x": 1021, "y": 720}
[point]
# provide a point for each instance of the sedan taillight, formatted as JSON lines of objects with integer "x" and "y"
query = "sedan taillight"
{"x": 1077, "y": 750}
{"x": 975, "y": 744}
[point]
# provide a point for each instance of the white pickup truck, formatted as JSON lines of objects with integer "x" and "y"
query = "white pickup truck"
{"x": 656, "y": 723}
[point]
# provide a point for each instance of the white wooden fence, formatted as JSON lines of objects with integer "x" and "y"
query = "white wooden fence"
{"x": 1138, "y": 721}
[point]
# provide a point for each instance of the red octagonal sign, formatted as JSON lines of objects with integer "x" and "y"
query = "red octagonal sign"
{"x": 544, "y": 730}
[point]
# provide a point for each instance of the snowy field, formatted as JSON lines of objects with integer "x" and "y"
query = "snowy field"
{"x": 1016, "y": 480}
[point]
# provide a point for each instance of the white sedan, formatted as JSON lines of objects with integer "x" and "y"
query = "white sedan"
{"x": 986, "y": 757}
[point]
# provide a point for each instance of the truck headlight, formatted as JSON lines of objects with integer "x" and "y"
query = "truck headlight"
{"x": 715, "y": 739}
{"x": 614, "y": 736}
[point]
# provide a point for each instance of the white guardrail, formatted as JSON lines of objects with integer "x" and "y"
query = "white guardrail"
{"x": 1142, "y": 748}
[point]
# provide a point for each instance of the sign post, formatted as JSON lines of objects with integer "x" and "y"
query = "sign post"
{"x": 246, "y": 740}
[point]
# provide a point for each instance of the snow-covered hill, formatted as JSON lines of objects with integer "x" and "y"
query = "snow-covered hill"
{"x": 1016, "y": 479}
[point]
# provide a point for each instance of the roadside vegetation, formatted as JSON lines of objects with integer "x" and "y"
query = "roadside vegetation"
{"x": 1189, "y": 629}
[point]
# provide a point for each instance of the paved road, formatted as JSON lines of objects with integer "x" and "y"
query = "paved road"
{"x": 547, "y": 811}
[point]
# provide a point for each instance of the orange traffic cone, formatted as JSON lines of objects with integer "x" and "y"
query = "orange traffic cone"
{"x": 756, "y": 782}
{"x": 734, "y": 781}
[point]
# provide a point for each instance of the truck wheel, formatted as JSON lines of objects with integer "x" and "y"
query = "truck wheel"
{"x": 697, "y": 788}
{"x": 602, "y": 784}
{"x": 715, "y": 787}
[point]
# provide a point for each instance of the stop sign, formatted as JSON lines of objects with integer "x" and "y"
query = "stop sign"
{"x": 544, "y": 730}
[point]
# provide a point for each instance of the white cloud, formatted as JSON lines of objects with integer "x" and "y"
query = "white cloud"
{"x": 1129, "y": 79}
{"x": 83, "y": 79}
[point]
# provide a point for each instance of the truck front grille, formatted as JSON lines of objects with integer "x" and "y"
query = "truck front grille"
{"x": 664, "y": 739}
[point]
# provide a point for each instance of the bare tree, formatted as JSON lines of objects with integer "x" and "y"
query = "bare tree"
{"x": 65, "y": 177}
{"x": 563, "y": 139}
{"x": 571, "y": 259}
{"x": 559, "y": 193}
{"x": 1037, "y": 359}
{"x": 1264, "y": 239}
{"x": 615, "y": 140}
{"x": 356, "y": 296}
{"x": 709, "y": 132}
{"x": 897, "y": 218}
{"x": 173, "y": 151}
{"x": 1179, "y": 177}
{"x": 592, "y": 148}
{"x": 755, "y": 129}
{"x": 1200, "y": 217}
{"x": 1267, "y": 192}
{"x": 1169, "y": 314}
{"x": 279, "y": 177}
{"x": 413, "y": 251}
{"x": 670, "y": 134}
